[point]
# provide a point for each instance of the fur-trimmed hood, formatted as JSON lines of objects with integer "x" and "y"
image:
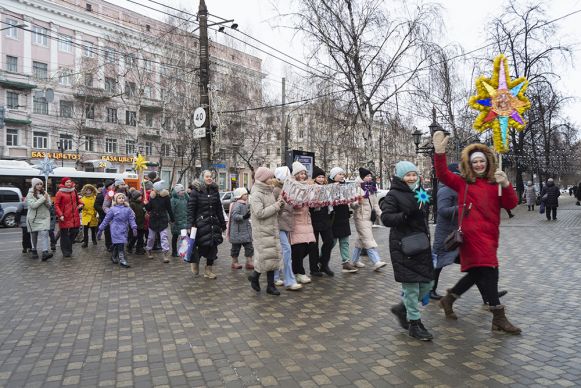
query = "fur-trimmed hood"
{"x": 163, "y": 193}
{"x": 200, "y": 187}
{"x": 86, "y": 188}
{"x": 466, "y": 169}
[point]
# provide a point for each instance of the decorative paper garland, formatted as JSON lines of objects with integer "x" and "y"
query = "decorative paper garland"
{"x": 301, "y": 194}
{"x": 501, "y": 103}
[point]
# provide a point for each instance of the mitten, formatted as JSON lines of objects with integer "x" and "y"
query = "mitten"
{"x": 246, "y": 216}
{"x": 501, "y": 178}
{"x": 440, "y": 141}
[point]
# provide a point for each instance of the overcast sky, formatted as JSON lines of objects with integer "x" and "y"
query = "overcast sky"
{"x": 465, "y": 22}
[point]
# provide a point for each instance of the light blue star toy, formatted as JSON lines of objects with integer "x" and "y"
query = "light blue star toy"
{"x": 422, "y": 196}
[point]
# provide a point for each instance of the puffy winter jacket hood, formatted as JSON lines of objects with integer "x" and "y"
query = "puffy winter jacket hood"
{"x": 89, "y": 190}
{"x": 466, "y": 168}
{"x": 200, "y": 187}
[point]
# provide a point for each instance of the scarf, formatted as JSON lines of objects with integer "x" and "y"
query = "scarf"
{"x": 369, "y": 188}
{"x": 67, "y": 190}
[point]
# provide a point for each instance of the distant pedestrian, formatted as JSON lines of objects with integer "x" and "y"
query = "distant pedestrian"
{"x": 550, "y": 196}
{"x": 160, "y": 214}
{"x": 89, "y": 216}
{"x": 404, "y": 214}
{"x": 340, "y": 225}
{"x": 67, "y": 210}
{"x": 179, "y": 207}
{"x": 120, "y": 218}
{"x": 103, "y": 191}
{"x": 21, "y": 213}
{"x": 38, "y": 218}
{"x": 530, "y": 195}
{"x": 319, "y": 258}
{"x": 239, "y": 230}
{"x": 137, "y": 241}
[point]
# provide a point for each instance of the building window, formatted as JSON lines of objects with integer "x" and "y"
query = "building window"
{"x": 129, "y": 147}
{"x": 165, "y": 149}
{"x": 163, "y": 94}
{"x": 39, "y": 106}
{"x": 11, "y": 137}
{"x": 12, "y": 30}
{"x": 110, "y": 84}
{"x": 65, "y": 43}
{"x": 39, "y": 35}
{"x": 181, "y": 125}
{"x": 88, "y": 80}
{"x": 180, "y": 151}
{"x": 149, "y": 119}
{"x": 11, "y": 64}
{"x": 148, "y": 148}
{"x": 130, "y": 89}
{"x": 11, "y": 100}
{"x": 301, "y": 134}
{"x": 111, "y": 115}
{"x": 89, "y": 7}
{"x": 88, "y": 50}
{"x": 40, "y": 140}
{"x": 130, "y": 61}
{"x": 89, "y": 143}
{"x": 90, "y": 111}
{"x": 110, "y": 55}
{"x": 147, "y": 91}
{"x": 110, "y": 145}
{"x": 66, "y": 109}
{"x": 65, "y": 78}
{"x": 40, "y": 70}
{"x": 66, "y": 142}
{"x": 131, "y": 118}
{"x": 147, "y": 65}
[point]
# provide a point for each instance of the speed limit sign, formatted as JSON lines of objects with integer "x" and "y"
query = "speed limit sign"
{"x": 199, "y": 117}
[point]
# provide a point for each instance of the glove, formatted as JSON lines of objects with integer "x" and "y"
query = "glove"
{"x": 134, "y": 232}
{"x": 440, "y": 141}
{"x": 246, "y": 216}
{"x": 501, "y": 178}
{"x": 99, "y": 233}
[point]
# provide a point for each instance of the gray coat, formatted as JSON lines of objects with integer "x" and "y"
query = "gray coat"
{"x": 240, "y": 229}
{"x": 264, "y": 216}
{"x": 447, "y": 223}
{"x": 38, "y": 217}
{"x": 531, "y": 195}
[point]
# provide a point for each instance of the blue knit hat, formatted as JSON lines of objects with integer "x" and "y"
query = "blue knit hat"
{"x": 403, "y": 167}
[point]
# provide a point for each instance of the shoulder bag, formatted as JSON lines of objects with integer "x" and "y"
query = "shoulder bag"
{"x": 456, "y": 238}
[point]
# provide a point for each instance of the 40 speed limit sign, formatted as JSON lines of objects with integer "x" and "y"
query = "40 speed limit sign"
{"x": 199, "y": 117}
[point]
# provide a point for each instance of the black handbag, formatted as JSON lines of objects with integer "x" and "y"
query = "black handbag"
{"x": 456, "y": 238}
{"x": 415, "y": 243}
{"x": 373, "y": 215}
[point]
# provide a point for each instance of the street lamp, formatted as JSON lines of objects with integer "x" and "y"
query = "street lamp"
{"x": 61, "y": 149}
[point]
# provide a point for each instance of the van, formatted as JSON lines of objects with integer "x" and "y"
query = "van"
{"x": 10, "y": 198}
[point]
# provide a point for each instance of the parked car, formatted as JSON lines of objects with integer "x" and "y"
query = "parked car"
{"x": 10, "y": 198}
{"x": 226, "y": 199}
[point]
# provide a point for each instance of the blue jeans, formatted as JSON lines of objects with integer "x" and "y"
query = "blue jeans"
{"x": 289, "y": 276}
{"x": 372, "y": 253}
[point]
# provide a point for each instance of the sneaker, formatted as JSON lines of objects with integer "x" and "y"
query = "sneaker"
{"x": 359, "y": 264}
{"x": 278, "y": 283}
{"x": 303, "y": 279}
{"x": 294, "y": 287}
{"x": 379, "y": 265}
{"x": 349, "y": 268}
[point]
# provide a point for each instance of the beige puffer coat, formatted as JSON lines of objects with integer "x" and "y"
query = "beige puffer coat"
{"x": 362, "y": 219}
{"x": 286, "y": 214}
{"x": 264, "y": 216}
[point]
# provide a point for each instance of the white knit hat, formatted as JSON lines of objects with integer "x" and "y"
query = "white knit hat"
{"x": 159, "y": 185}
{"x": 298, "y": 167}
{"x": 281, "y": 173}
{"x": 335, "y": 171}
{"x": 239, "y": 192}
{"x": 36, "y": 181}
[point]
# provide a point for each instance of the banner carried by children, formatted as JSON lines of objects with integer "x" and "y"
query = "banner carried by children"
{"x": 301, "y": 194}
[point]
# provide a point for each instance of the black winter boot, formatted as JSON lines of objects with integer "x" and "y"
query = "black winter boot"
{"x": 46, "y": 255}
{"x": 34, "y": 254}
{"x": 418, "y": 331}
{"x": 253, "y": 279}
{"x": 271, "y": 289}
{"x": 400, "y": 313}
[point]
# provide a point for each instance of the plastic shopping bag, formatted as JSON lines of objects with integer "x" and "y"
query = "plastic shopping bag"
{"x": 189, "y": 245}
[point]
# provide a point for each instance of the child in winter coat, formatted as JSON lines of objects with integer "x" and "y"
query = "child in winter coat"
{"x": 160, "y": 213}
{"x": 89, "y": 219}
{"x": 404, "y": 214}
{"x": 120, "y": 216}
{"x": 239, "y": 231}
{"x": 321, "y": 220}
{"x": 179, "y": 207}
{"x": 340, "y": 224}
{"x": 137, "y": 241}
{"x": 21, "y": 214}
{"x": 38, "y": 218}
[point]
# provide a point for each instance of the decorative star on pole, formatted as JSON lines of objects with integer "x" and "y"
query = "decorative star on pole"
{"x": 422, "y": 196}
{"x": 46, "y": 167}
{"x": 501, "y": 102}
{"x": 139, "y": 163}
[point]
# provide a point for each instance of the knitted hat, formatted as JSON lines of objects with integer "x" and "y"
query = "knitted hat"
{"x": 363, "y": 172}
{"x": 148, "y": 185}
{"x": 159, "y": 186}
{"x": 335, "y": 171}
{"x": 239, "y": 192}
{"x": 117, "y": 195}
{"x": 152, "y": 175}
{"x": 65, "y": 179}
{"x": 36, "y": 181}
{"x": 119, "y": 182}
{"x": 262, "y": 174}
{"x": 317, "y": 171}
{"x": 477, "y": 154}
{"x": 298, "y": 167}
{"x": 453, "y": 167}
{"x": 136, "y": 194}
{"x": 108, "y": 182}
{"x": 178, "y": 188}
{"x": 281, "y": 173}
{"x": 404, "y": 167}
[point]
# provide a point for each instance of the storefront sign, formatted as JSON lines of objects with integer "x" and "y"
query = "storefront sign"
{"x": 54, "y": 155}
{"x": 117, "y": 158}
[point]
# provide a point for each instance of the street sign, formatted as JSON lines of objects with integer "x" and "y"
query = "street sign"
{"x": 199, "y": 133}
{"x": 199, "y": 117}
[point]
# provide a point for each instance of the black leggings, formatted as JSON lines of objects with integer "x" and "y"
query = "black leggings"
{"x": 321, "y": 258}
{"x": 299, "y": 251}
{"x": 486, "y": 279}
{"x": 86, "y": 234}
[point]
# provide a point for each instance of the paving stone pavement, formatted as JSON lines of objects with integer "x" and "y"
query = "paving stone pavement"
{"x": 85, "y": 322}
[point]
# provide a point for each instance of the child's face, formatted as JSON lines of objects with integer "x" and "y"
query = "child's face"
{"x": 339, "y": 177}
{"x": 368, "y": 178}
{"x": 244, "y": 197}
{"x": 410, "y": 178}
{"x": 120, "y": 200}
{"x": 301, "y": 176}
{"x": 320, "y": 179}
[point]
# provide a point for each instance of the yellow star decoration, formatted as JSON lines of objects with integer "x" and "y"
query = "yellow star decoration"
{"x": 139, "y": 163}
{"x": 501, "y": 103}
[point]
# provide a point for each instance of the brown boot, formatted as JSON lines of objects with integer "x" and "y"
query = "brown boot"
{"x": 249, "y": 263}
{"x": 235, "y": 263}
{"x": 500, "y": 322}
{"x": 208, "y": 273}
{"x": 165, "y": 257}
{"x": 195, "y": 268}
{"x": 446, "y": 303}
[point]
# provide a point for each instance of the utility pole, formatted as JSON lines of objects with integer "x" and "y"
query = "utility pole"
{"x": 284, "y": 128}
{"x": 206, "y": 150}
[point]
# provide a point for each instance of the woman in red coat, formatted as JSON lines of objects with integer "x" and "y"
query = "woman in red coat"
{"x": 66, "y": 205}
{"x": 478, "y": 182}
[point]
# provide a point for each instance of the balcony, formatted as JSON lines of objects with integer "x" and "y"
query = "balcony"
{"x": 16, "y": 81}
{"x": 91, "y": 94}
{"x": 17, "y": 117}
{"x": 91, "y": 126}
{"x": 150, "y": 133}
{"x": 151, "y": 104}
